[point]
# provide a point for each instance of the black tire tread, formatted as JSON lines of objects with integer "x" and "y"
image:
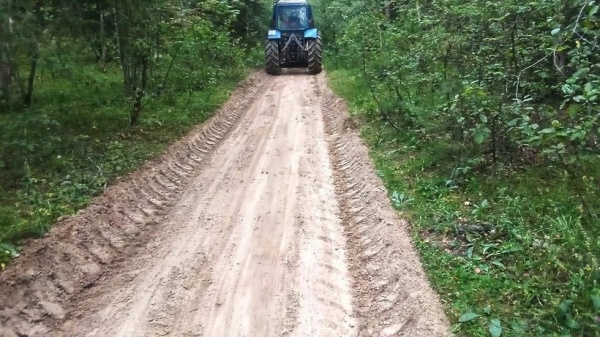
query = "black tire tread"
{"x": 272, "y": 66}
{"x": 315, "y": 62}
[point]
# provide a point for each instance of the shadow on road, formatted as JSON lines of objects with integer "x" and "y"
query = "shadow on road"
{"x": 294, "y": 71}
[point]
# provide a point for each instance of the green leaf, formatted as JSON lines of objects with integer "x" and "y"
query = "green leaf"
{"x": 573, "y": 110}
{"x": 495, "y": 327}
{"x": 578, "y": 135}
{"x": 596, "y": 301}
{"x": 567, "y": 89}
{"x": 519, "y": 326}
{"x": 548, "y": 130}
{"x": 469, "y": 316}
{"x": 480, "y": 136}
{"x": 565, "y": 306}
{"x": 9, "y": 249}
{"x": 561, "y": 48}
{"x": 555, "y": 31}
{"x": 498, "y": 264}
{"x": 483, "y": 118}
{"x": 593, "y": 11}
{"x": 469, "y": 254}
{"x": 573, "y": 324}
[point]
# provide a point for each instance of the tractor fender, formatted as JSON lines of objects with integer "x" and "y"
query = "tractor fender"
{"x": 311, "y": 33}
{"x": 274, "y": 34}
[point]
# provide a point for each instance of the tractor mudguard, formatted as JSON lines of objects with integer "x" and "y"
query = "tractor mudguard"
{"x": 274, "y": 34}
{"x": 311, "y": 33}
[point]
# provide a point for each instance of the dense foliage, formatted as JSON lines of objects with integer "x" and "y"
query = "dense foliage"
{"x": 483, "y": 119}
{"x": 89, "y": 89}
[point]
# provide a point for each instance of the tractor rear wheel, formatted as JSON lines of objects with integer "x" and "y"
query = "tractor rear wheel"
{"x": 315, "y": 47}
{"x": 272, "y": 57}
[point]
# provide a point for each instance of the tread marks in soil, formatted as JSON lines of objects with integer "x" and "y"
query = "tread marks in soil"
{"x": 393, "y": 297}
{"x": 30, "y": 296}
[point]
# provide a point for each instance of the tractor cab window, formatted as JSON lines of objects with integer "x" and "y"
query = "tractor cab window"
{"x": 292, "y": 17}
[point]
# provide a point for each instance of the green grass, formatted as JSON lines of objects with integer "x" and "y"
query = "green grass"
{"x": 75, "y": 140}
{"x": 509, "y": 250}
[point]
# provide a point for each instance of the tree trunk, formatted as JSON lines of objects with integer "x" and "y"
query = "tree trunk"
{"x": 445, "y": 70}
{"x": 6, "y": 68}
{"x": 135, "y": 60}
{"x": 122, "y": 28}
{"x": 136, "y": 110}
{"x": 391, "y": 10}
{"x": 103, "y": 48}
{"x": 30, "y": 81}
{"x": 5, "y": 82}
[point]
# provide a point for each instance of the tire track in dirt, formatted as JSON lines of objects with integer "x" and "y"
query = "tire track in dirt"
{"x": 81, "y": 249}
{"x": 267, "y": 221}
{"x": 177, "y": 266}
{"x": 252, "y": 245}
{"x": 324, "y": 282}
{"x": 267, "y": 289}
{"x": 393, "y": 297}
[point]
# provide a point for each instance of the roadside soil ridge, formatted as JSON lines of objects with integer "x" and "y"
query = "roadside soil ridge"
{"x": 79, "y": 249}
{"x": 392, "y": 293}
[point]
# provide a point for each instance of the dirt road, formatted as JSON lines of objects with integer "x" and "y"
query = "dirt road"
{"x": 267, "y": 221}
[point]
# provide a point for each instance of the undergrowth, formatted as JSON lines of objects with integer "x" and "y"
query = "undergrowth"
{"x": 56, "y": 156}
{"x": 507, "y": 249}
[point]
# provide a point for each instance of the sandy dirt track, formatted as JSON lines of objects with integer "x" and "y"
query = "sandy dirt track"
{"x": 268, "y": 220}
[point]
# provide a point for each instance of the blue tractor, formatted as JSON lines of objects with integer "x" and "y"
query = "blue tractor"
{"x": 292, "y": 40}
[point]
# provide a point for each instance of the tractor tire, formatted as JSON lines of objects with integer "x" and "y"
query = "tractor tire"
{"x": 272, "y": 65}
{"x": 315, "y": 47}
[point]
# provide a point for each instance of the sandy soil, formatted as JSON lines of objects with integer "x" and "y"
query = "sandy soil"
{"x": 266, "y": 221}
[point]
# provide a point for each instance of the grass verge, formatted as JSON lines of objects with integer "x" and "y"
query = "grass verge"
{"x": 507, "y": 251}
{"x": 76, "y": 140}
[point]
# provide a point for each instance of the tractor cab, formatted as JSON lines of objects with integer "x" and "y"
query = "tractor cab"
{"x": 292, "y": 15}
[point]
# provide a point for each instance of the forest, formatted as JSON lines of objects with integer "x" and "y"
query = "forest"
{"x": 482, "y": 118}
{"x": 92, "y": 89}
